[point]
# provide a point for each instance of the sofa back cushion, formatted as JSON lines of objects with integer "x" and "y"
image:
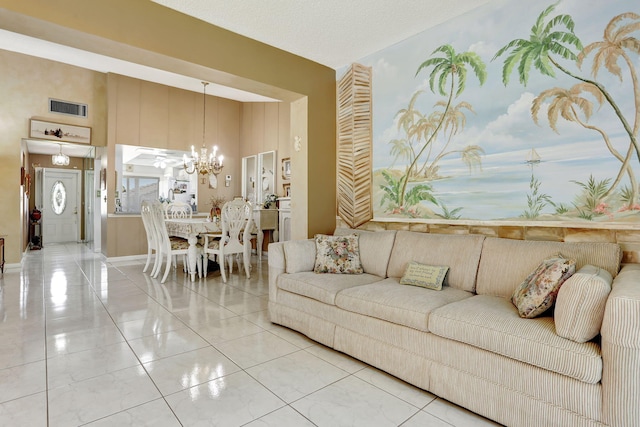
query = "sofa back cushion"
{"x": 300, "y": 255}
{"x": 375, "y": 248}
{"x": 506, "y": 263}
{"x": 461, "y": 253}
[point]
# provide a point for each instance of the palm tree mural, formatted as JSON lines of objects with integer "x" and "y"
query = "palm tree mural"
{"x": 568, "y": 104}
{"x": 454, "y": 121}
{"x": 617, "y": 40}
{"x": 547, "y": 39}
{"x": 450, "y": 68}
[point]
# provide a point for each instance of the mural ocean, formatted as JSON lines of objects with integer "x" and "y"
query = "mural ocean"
{"x": 505, "y": 115}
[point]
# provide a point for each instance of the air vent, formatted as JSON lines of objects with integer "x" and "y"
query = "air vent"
{"x": 68, "y": 108}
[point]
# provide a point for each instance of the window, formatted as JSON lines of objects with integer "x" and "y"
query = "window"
{"x": 136, "y": 189}
{"x": 58, "y": 197}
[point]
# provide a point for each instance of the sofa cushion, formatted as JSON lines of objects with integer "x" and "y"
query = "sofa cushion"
{"x": 322, "y": 287}
{"x": 580, "y": 304}
{"x": 537, "y": 293}
{"x": 403, "y": 305}
{"x": 375, "y": 248}
{"x": 504, "y": 262}
{"x": 460, "y": 252}
{"x": 337, "y": 254}
{"x": 493, "y": 324}
{"x": 300, "y": 255}
{"x": 425, "y": 276}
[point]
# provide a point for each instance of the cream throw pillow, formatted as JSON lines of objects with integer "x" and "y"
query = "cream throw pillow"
{"x": 537, "y": 293}
{"x": 580, "y": 304}
{"x": 425, "y": 276}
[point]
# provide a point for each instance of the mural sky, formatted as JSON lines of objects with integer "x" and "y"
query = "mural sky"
{"x": 476, "y": 151}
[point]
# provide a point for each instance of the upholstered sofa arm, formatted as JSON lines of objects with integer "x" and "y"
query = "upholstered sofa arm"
{"x": 292, "y": 256}
{"x": 277, "y": 266}
{"x": 621, "y": 350}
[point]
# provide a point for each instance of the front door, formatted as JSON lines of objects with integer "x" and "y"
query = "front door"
{"x": 60, "y": 210}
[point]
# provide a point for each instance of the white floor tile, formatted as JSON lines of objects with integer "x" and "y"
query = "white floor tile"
{"x": 254, "y": 349}
{"x": 353, "y": 402}
{"x": 166, "y": 344}
{"x": 284, "y": 417}
{"x": 95, "y": 398}
{"x": 400, "y": 389}
{"x": 296, "y": 375}
{"x": 21, "y": 381}
{"x": 73, "y": 367}
{"x": 456, "y": 415}
{"x": 86, "y": 339}
{"x": 186, "y": 370}
{"x": 233, "y": 400}
{"x": 153, "y": 414}
{"x": 27, "y": 411}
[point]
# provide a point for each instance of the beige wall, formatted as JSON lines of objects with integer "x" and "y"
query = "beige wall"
{"x": 146, "y": 33}
{"x": 26, "y": 85}
{"x": 266, "y": 127}
{"x": 153, "y": 115}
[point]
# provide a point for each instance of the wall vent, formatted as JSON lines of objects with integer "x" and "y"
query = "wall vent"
{"x": 68, "y": 108}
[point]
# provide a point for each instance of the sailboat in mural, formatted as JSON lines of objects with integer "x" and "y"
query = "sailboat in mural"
{"x": 533, "y": 157}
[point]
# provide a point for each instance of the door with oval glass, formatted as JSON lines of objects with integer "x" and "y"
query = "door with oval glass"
{"x": 60, "y": 206}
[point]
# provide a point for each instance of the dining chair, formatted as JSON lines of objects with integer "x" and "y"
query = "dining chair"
{"x": 236, "y": 223}
{"x": 149, "y": 228}
{"x": 170, "y": 246}
{"x": 178, "y": 210}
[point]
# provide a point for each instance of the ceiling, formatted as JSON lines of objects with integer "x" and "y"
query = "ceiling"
{"x": 334, "y": 33}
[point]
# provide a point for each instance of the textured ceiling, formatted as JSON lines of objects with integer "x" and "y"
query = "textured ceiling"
{"x": 334, "y": 33}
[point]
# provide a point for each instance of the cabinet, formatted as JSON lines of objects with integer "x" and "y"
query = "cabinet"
{"x": 265, "y": 219}
{"x": 284, "y": 220}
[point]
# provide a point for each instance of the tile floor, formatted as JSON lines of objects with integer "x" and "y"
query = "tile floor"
{"x": 84, "y": 341}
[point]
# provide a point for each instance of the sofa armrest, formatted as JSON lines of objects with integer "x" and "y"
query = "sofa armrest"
{"x": 277, "y": 266}
{"x": 621, "y": 350}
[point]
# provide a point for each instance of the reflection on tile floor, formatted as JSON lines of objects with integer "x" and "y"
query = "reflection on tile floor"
{"x": 84, "y": 341}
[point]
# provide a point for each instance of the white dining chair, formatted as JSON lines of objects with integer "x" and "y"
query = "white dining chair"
{"x": 178, "y": 210}
{"x": 170, "y": 246}
{"x": 149, "y": 228}
{"x": 236, "y": 221}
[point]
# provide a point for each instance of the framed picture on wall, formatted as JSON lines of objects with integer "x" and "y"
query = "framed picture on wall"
{"x": 286, "y": 168}
{"x": 59, "y": 132}
{"x": 287, "y": 190}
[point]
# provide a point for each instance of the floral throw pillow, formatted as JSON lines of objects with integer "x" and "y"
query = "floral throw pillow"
{"x": 337, "y": 254}
{"x": 539, "y": 290}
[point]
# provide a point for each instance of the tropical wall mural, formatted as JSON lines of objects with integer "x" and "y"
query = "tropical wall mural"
{"x": 505, "y": 115}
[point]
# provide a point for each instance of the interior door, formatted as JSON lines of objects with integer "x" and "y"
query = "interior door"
{"x": 88, "y": 206}
{"x": 60, "y": 210}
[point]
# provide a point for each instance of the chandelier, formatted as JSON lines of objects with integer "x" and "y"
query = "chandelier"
{"x": 60, "y": 159}
{"x": 200, "y": 162}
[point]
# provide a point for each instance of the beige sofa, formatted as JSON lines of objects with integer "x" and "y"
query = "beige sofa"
{"x": 467, "y": 343}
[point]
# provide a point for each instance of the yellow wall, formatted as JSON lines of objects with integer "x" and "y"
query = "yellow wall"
{"x": 145, "y": 32}
{"x": 26, "y": 85}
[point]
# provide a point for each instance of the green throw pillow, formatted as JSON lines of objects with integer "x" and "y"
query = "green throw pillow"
{"x": 425, "y": 276}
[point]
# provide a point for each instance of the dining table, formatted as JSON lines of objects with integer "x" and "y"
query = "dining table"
{"x": 191, "y": 229}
